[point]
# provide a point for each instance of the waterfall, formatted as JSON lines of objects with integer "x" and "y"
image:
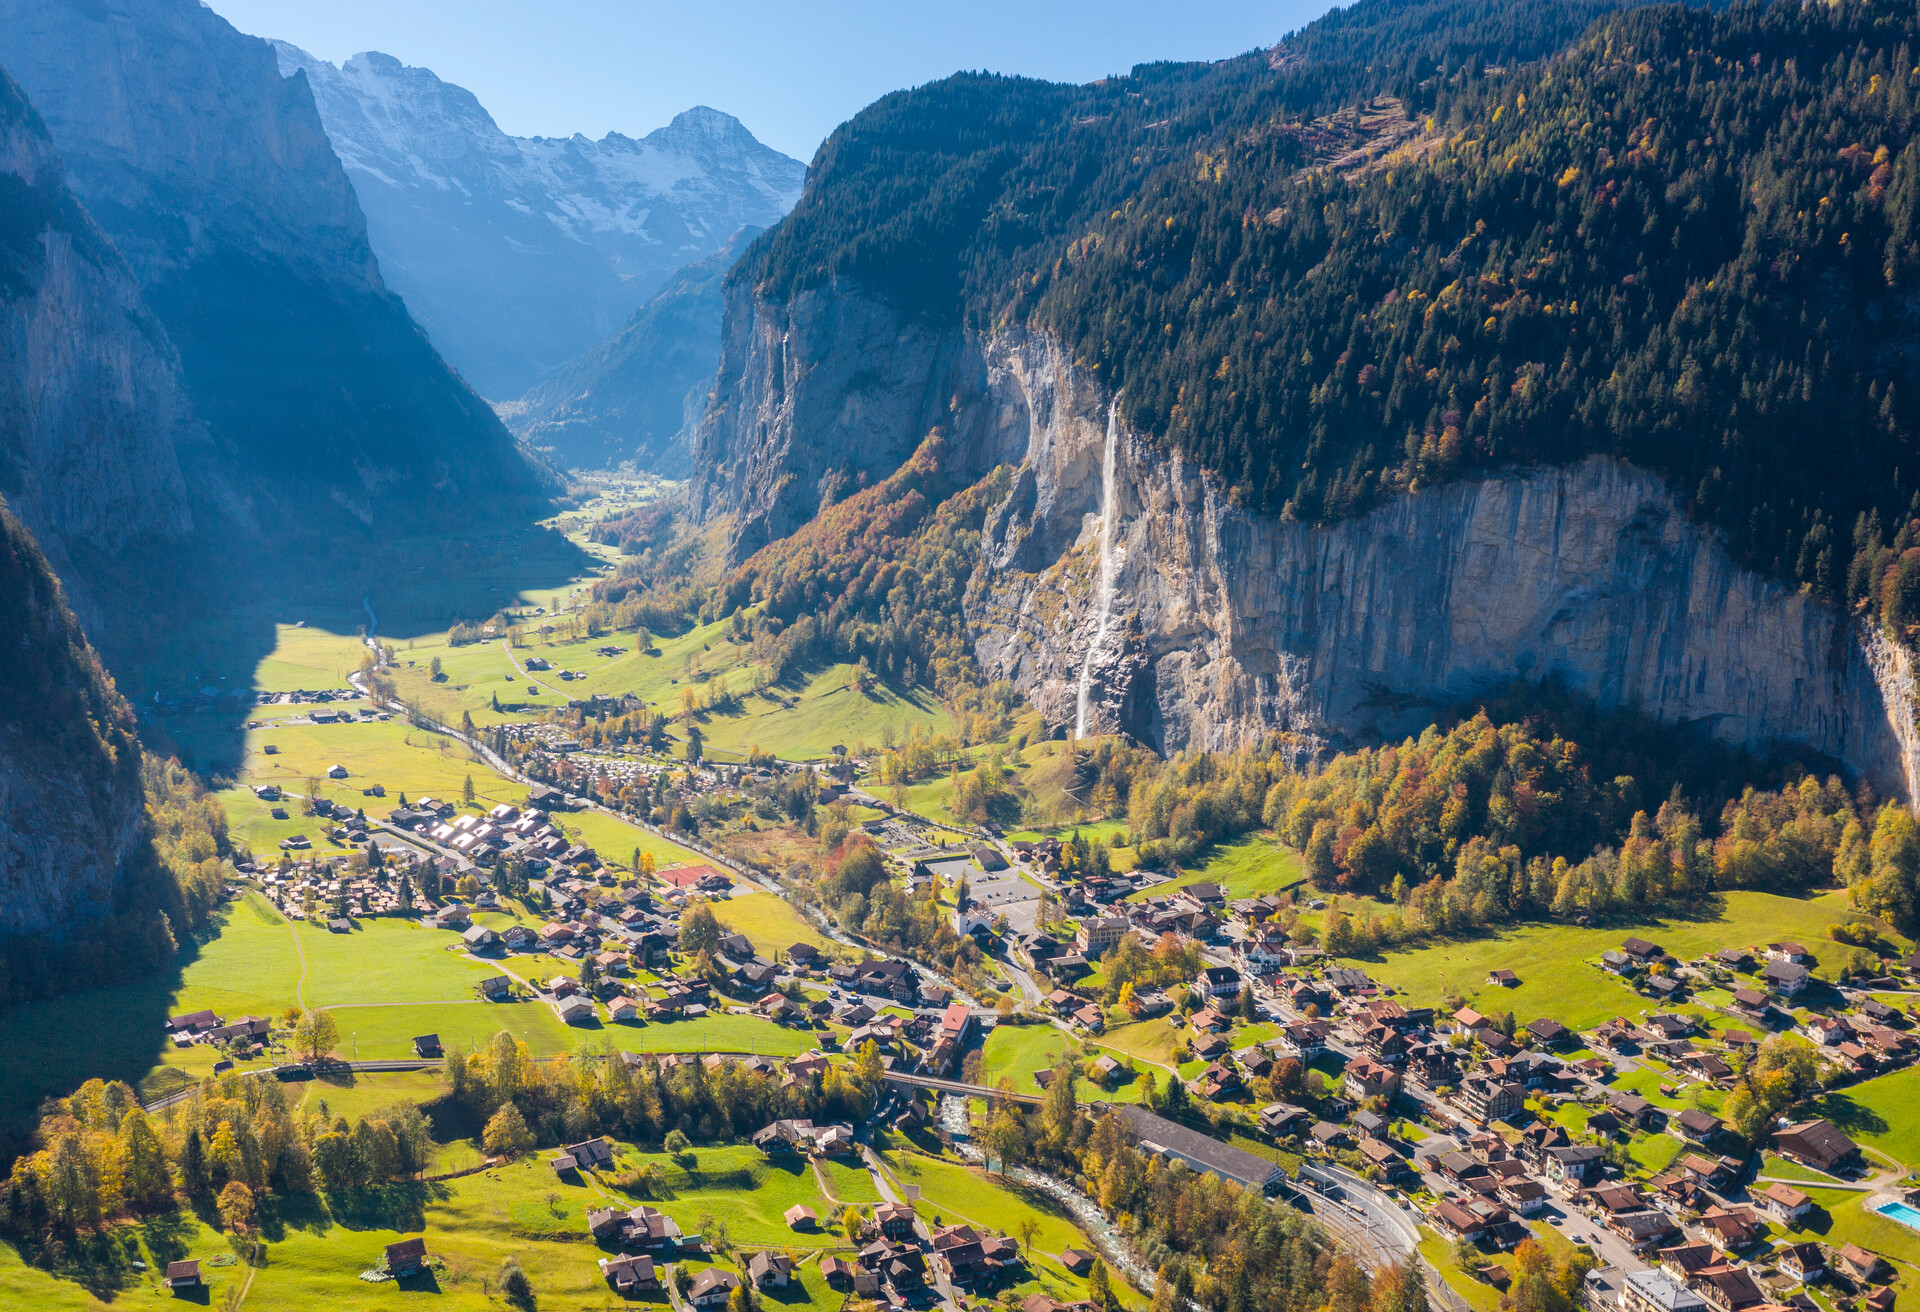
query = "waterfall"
{"x": 1893, "y": 672}
{"x": 1103, "y": 597}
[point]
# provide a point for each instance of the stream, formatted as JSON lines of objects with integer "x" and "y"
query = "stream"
{"x": 1112, "y": 1246}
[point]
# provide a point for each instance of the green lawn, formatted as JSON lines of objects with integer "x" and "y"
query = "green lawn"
{"x": 1841, "y": 1217}
{"x": 307, "y": 658}
{"x": 773, "y": 924}
{"x": 1248, "y": 866}
{"x": 1018, "y": 1051}
{"x": 1882, "y": 1114}
{"x": 1552, "y": 959}
{"x": 849, "y": 1181}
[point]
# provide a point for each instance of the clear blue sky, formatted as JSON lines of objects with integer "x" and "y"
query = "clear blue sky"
{"x": 790, "y": 71}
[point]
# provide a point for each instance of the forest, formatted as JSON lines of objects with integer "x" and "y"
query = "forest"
{"x": 1684, "y": 240}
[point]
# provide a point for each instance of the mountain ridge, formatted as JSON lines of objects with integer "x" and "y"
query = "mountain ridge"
{"x": 518, "y": 254}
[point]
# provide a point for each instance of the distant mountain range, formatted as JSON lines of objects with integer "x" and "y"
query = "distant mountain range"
{"x": 519, "y": 254}
{"x": 325, "y": 405}
{"x": 641, "y": 393}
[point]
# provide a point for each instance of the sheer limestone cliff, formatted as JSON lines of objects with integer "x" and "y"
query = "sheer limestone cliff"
{"x": 1227, "y": 625}
{"x": 71, "y": 809}
{"x": 100, "y": 453}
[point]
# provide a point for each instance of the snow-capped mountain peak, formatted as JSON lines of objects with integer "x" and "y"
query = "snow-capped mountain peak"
{"x": 519, "y": 253}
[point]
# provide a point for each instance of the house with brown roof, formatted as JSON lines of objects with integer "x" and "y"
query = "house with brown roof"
{"x": 184, "y": 1274}
{"x": 407, "y": 1257}
{"x": 1783, "y": 1203}
{"x": 1816, "y": 1143}
{"x": 634, "y": 1274}
{"x": 712, "y": 1287}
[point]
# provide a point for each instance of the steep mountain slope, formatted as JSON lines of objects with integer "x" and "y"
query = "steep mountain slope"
{"x": 99, "y": 450}
{"x": 640, "y": 394}
{"x": 70, "y": 796}
{"x": 518, "y": 254}
{"x": 212, "y": 175}
{"x": 1236, "y": 325}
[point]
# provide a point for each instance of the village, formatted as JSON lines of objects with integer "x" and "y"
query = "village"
{"x": 1469, "y": 1127}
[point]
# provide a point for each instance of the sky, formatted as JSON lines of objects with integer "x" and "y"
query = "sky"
{"x": 791, "y": 72}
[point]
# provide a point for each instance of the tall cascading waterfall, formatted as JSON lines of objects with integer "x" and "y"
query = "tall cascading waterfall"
{"x": 1103, "y": 598}
{"x": 1893, "y": 672}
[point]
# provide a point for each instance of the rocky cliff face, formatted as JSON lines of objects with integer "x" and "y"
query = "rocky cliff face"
{"x": 71, "y": 809}
{"x": 213, "y": 176}
{"x": 518, "y": 254}
{"x": 1226, "y": 625}
{"x": 100, "y": 453}
{"x": 819, "y": 397}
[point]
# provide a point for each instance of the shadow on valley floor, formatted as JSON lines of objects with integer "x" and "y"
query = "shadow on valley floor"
{"x": 113, "y": 1033}
{"x": 192, "y": 681}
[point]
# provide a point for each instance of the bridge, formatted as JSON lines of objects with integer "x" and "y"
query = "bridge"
{"x": 960, "y": 1087}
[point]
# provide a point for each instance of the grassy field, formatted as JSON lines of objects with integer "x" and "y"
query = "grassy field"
{"x": 1018, "y": 1051}
{"x": 773, "y": 924}
{"x": 308, "y": 658}
{"x": 1840, "y": 1217}
{"x": 1881, "y": 1114}
{"x": 828, "y": 711}
{"x": 1480, "y": 1296}
{"x": 1552, "y": 959}
{"x": 1247, "y": 866}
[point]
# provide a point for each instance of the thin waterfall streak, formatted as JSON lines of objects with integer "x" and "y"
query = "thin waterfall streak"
{"x": 1103, "y": 597}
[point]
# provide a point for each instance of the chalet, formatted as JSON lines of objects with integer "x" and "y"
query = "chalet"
{"x": 1457, "y": 1221}
{"x": 1714, "y": 1173}
{"x": 1366, "y": 1078}
{"x": 1325, "y": 1134}
{"x": 1386, "y": 1159}
{"x": 407, "y": 1257}
{"x": 1817, "y": 1143}
{"x": 801, "y": 1217}
{"x": 1734, "y": 958}
{"x": 1282, "y": 1119}
{"x": 1635, "y": 1110}
{"x": 896, "y": 1220}
{"x": 623, "y": 1008}
{"x": 1785, "y": 977}
{"x": 1641, "y": 950}
{"x": 1729, "y": 1230}
{"x": 1078, "y": 1261}
{"x": 630, "y": 1274}
{"x": 1549, "y": 1031}
{"x": 184, "y": 1274}
{"x": 1805, "y": 1262}
{"x": 1218, "y": 981}
{"x": 1486, "y": 1099}
{"x": 573, "y": 1009}
{"x": 495, "y": 987}
{"x": 1727, "y": 1288}
{"x": 770, "y": 1270}
{"x": 1302, "y": 1040}
{"x": 1859, "y": 1263}
{"x": 1505, "y": 979}
{"x": 479, "y": 938}
{"x": 712, "y": 1288}
{"x": 1783, "y": 1203}
{"x": 427, "y": 1045}
{"x": 1697, "y": 1126}
{"x": 590, "y": 1155}
{"x": 1795, "y": 953}
{"x": 1577, "y": 1164}
{"x": 1618, "y": 963}
{"x": 1523, "y": 1195}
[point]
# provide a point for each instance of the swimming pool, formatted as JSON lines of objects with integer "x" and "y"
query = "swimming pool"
{"x": 1897, "y": 1211}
